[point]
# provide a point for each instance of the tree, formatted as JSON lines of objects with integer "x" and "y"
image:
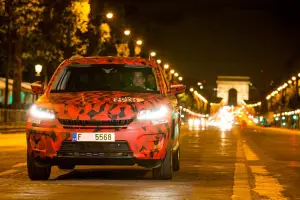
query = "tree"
{"x": 68, "y": 20}
{"x": 21, "y": 18}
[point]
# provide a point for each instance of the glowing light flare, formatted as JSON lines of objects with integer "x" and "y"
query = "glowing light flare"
{"x": 139, "y": 42}
{"x": 38, "y": 69}
{"x": 127, "y": 32}
{"x": 166, "y": 66}
{"x": 152, "y": 54}
{"x": 109, "y": 15}
{"x": 158, "y": 61}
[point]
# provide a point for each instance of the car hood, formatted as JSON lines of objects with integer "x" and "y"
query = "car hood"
{"x": 102, "y": 105}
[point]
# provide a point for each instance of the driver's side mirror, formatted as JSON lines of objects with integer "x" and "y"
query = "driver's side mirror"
{"x": 37, "y": 87}
{"x": 177, "y": 88}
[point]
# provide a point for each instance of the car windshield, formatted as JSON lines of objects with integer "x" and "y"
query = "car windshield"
{"x": 105, "y": 77}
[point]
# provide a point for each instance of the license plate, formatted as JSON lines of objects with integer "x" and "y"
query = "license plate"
{"x": 94, "y": 137}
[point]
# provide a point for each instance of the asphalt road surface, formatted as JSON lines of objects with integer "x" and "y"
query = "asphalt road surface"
{"x": 245, "y": 163}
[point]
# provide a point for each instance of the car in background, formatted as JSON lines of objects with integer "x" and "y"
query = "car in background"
{"x": 105, "y": 111}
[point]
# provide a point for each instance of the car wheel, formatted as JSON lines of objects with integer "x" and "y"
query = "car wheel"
{"x": 176, "y": 160}
{"x": 66, "y": 166}
{"x": 36, "y": 172}
{"x": 164, "y": 171}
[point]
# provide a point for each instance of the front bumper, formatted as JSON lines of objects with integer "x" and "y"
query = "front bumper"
{"x": 137, "y": 143}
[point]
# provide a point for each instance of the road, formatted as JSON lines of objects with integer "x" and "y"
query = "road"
{"x": 245, "y": 163}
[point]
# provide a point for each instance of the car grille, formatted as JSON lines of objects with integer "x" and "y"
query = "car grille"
{"x": 92, "y": 149}
{"x": 98, "y": 123}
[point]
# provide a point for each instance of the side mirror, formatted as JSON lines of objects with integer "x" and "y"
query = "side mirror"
{"x": 37, "y": 87}
{"x": 177, "y": 88}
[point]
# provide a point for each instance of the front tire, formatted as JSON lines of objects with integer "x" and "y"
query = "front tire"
{"x": 164, "y": 171}
{"x": 176, "y": 160}
{"x": 36, "y": 172}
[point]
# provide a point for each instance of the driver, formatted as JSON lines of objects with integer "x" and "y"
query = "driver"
{"x": 139, "y": 80}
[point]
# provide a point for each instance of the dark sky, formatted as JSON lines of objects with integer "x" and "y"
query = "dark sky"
{"x": 204, "y": 40}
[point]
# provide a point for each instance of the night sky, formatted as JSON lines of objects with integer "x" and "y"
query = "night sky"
{"x": 204, "y": 40}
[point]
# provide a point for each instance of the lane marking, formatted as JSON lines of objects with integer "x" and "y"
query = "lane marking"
{"x": 19, "y": 165}
{"x": 241, "y": 188}
{"x": 267, "y": 185}
{"x": 11, "y": 171}
{"x": 249, "y": 153}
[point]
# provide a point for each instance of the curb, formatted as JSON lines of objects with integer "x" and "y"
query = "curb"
{"x": 7, "y": 129}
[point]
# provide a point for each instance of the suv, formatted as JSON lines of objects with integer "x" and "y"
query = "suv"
{"x": 104, "y": 111}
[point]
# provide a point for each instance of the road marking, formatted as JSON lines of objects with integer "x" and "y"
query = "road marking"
{"x": 19, "y": 165}
{"x": 265, "y": 184}
{"x": 250, "y": 155}
{"x": 241, "y": 188}
{"x": 11, "y": 171}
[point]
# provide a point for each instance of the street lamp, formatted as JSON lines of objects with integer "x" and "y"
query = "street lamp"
{"x": 139, "y": 42}
{"x": 158, "y": 61}
{"x": 201, "y": 87}
{"x": 293, "y": 78}
{"x": 176, "y": 74}
{"x": 172, "y": 71}
{"x": 127, "y": 32}
{"x": 191, "y": 89}
{"x": 180, "y": 78}
{"x": 199, "y": 83}
{"x": 166, "y": 66}
{"x": 109, "y": 15}
{"x": 153, "y": 54}
{"x": 38, "y": 69}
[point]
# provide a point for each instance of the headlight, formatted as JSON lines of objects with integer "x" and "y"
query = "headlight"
{"x": 191, "y": 122}
{"x": 41, "y": 113}
{"x": 196, "y": 122}
{"x": 153, "y": 114}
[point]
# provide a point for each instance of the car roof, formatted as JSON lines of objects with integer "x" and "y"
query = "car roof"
{"x": 112, "y": 60}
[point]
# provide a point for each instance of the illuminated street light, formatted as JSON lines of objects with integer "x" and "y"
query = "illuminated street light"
{"x": 290, "y": 82}
{"x": 172, "y": 71}
{"x": 158, "y": 61}
{"x": 176, "y": 74}
{"x": 127, "y": 32}
{"x": 293, "y": 78}
{"x": 180, "y": 78}
{"x": 109, "y": 15}
{"x": 139, "y": 42}
{"x": 299, "y": 74}
{"x": 191, "y": 89}
{"x": 199, "y": 83}
{"x": 201, "y": 87}
{"x": 166, "y": 66}
{"x": 153, "y": 54}
{"x": 38, "y": 69}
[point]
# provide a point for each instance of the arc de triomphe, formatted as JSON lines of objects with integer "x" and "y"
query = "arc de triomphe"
{"x": 240, "y": 84}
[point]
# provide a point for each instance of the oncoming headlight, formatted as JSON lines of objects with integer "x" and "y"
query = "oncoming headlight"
{"x": 153, "y": 114}
{"x": 41, "y": 113}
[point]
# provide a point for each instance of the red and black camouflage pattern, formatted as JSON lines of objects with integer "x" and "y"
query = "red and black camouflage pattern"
{"x": 146, "y": 139}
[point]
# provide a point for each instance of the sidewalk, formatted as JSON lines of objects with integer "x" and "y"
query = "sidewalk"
{"x": 279, "y": 130}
